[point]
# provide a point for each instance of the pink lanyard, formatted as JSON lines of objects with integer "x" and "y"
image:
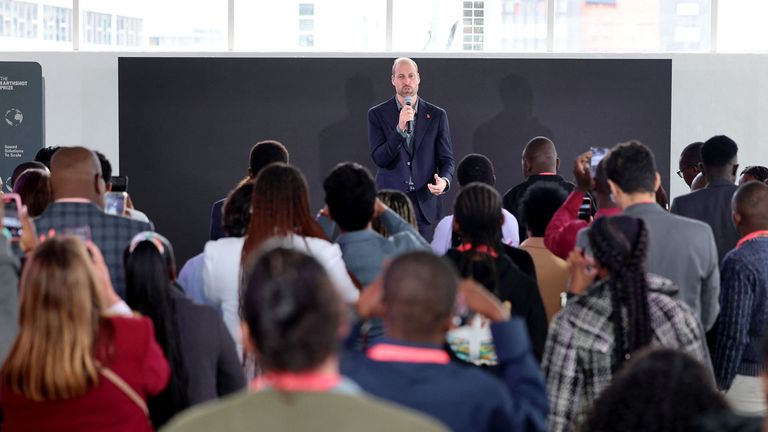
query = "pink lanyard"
{"x": 292, "y": 382}
{"x": 397, "y": 353}
{"x": 752, "y": 236}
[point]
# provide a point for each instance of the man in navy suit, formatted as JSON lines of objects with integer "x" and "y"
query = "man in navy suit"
{"x": 411, "y": 145}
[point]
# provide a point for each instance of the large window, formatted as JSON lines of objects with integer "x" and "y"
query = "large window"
{"x": 632, "y": 25}
{"x": 166, "y": 25}
{"x": 434, "y": 26}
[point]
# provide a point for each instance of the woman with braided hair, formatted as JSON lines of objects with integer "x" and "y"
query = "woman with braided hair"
{"x": 617, "y": 309}
{"x": 482, "y": 257}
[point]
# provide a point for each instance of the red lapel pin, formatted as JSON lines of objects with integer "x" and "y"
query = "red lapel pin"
{"x": 429, "y": 116}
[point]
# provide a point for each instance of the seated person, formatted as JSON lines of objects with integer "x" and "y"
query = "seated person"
{"x": 617, "y": 310}
{"x": 658, "y": 390}
{"x": 562, "y": 230}
{"x": 399, "y": 202}
{"x": 474, "y": 168}
{"x": 539, "y": 203}
{"x": 481, "y": 257}
{"x": 76, "y": 367}
{"x": 416, "y": 297}
{"x": 292, "y": 316}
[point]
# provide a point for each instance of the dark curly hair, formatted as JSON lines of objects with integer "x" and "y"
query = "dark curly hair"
{"x": 539, "y": 204}
{"x": 760, "y": 173}
{"x": 718, "y": 151}
{"x": 658, "y": 390}
{"x": 350, "y": 194}
{"x": 619, "y": 245}
{"x": 237, "y": 210}
{"x": 292, "y": 311}
{"x": 632, "y": 166}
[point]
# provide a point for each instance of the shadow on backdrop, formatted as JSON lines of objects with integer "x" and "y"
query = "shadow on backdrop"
{"x": 503, "y": 137}
{"x": 347, "y": 139}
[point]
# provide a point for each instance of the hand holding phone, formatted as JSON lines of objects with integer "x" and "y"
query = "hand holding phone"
{"x": 11, "y": 215}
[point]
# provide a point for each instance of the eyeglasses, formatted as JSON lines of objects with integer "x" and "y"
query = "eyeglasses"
{"x": 680, "y": 172}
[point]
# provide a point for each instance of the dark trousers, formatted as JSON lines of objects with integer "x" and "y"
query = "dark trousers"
{"x": 426, "y": 229}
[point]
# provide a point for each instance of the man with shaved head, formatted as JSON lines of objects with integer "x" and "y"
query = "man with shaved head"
{"x": 77, "y": 188}
{"x": 410, "y": 367}
{"x": 540, "y": 164}
{"x": 410, "y": 144}
{"x": 744, "y": 303}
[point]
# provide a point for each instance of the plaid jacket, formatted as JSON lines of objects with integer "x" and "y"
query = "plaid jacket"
{"x": 579, "y": 349}
{"x": 110, "y": 233}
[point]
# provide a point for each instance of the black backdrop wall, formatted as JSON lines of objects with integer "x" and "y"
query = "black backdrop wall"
{"x": 187, "y": 124}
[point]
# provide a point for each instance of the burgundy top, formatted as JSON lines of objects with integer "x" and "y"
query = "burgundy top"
{"x": 137, "y": 359}
{"x": 560, "y": 236}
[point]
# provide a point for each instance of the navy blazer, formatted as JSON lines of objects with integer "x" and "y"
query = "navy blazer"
{"x": 111, "y": 233}
{"x": 433, "y": 153}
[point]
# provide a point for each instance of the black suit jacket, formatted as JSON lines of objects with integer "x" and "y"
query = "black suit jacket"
{"x": 514, "y": 196}
{"x": 712, "y": 205}
{"x": 433, "y": 153}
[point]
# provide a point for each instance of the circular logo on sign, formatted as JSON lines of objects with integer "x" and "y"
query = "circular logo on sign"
{"x": 14, "y": 117}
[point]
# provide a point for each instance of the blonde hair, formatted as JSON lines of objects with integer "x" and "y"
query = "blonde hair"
{"x": 52, "y": 357}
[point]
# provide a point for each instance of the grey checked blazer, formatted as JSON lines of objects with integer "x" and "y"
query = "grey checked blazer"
{"x": 110, "y": 233}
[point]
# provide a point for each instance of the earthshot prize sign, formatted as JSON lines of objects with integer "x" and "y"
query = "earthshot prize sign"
{"x": 21, "y": 114}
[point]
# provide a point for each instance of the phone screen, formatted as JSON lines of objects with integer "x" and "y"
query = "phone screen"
{"x": 114, "y": 203}
{"x": 598, "y": 153}
{"x": 11, "y": 219}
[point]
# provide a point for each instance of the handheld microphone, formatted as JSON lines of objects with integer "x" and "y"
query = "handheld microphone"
{"x": 408, "y": 101}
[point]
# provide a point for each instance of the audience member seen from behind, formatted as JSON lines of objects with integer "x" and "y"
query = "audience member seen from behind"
{"x": 743, "y": 298}
{"x": 78, "y": 205}
{"x": 350, "y": 198}
{"x": 416, "y": 298}
{"x": 45, "y": 155}
{"x": 223, "y": 253}
{"x": 712, "y": 204}
{"x": 34, "y": 190}
{"x": 539, "y": 203}
{"x": 482, "y": 257}
{"x": 658, "y": 390}
{"x": 399, "y": 203}
{"x": 20, "y": 168}
{"x": 617, "y": 310}
{"x": 262, "y": 154}
{"x": 540, "y": 164}
{"x": 106, "y": 173}
{"x": 473, "y": 168}
{"x": 292, "y": 318}
{"x": 754, "y": 172}
{"x": 73, "y": 368}
{"x": 201, "y": 353}
{"x": 9, "y": 294}
{"x": 279, "y": 208}
{"x": 563, "y": 228}
{"x": 688, "y": 164}
{"x": 680, "y": 249}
